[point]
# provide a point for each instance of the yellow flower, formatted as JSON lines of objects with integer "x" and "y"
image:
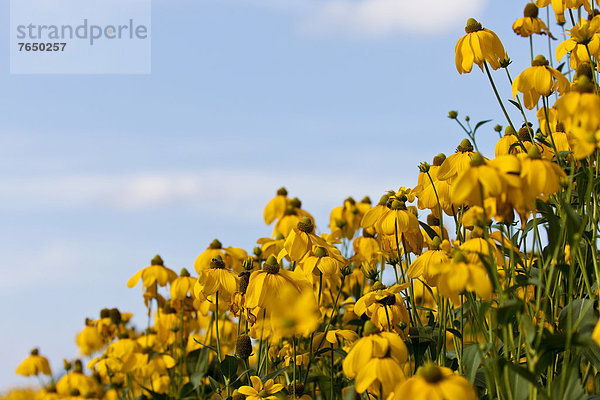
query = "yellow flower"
{"x": 271, "y": 247}
{"x": 478, "y": 46}
{"x": 291, "y": 216}
{"x": 538, "y": 80}
{"x": 76, "y": 381}
{"x": 397, "y": 219}
{"x": 584, "y": 37}
{"x": 557, "y": 5}
{"x": 437, "y": 254}
{"x": 181, "y": 286}
{"x": 476, "y": 183}
{"x": 366, "y": 250}
{"x": 347, "y": 217}
{"x": 293, "y": 313}
{"x": 456, "y": 163}
{"x": 216, "y": 279}
{"x": 583, "y": 142}
{"x": 34, "y": 365}
{"x": 300, "y": 240}
{"x": 276, "y": 207}
{"x": 266, "y": 284}
{"x": 459, "y": 275}
{"x": 323, "y": 260}
{"x": 376, "y": 362}
{"x": 541, "y": 178}
{"x": 429, "y": 193}
{"x": 258, "y": 391}
{"x": 579, "y": 108}
{"x": 384, "y": 306}
{"x": 506, "y": 144}
{"x": 530, "y": 23}
{"x": 89, "y": 339}
{"x": 232, "y": 256}
{"x": 156, "y": 273}
{"x": 435, "y": 383}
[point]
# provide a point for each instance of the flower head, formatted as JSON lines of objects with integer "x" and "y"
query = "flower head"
{"x": 539, "y": 80}
{"x": 34, "y": 365}
{"x": 258, "y": 391}
{"x": 435, "y": 383}
{"x": 478, "y": 46}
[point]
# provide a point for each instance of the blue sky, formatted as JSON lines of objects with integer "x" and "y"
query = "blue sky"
{"x": 332, "y": 98}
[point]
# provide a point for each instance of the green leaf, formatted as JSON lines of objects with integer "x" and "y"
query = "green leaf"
{"x": 275, "y": 374}
{"x": 472, "y": 357}
{"x": 526, "y": 325}
{"x": 590, "y": 350}
{"x": 229, "y": 367}
{"x": 480, "y": 123}
{"x": 583, "y": 316}
{"x": 508, "y": 310}
{"x": 514, "y": 103}
{"x": 567, "y": 385}
{"x": 432, "y": 234}
{"x": 215, "y": 386}
{"x": 196, "y": 378}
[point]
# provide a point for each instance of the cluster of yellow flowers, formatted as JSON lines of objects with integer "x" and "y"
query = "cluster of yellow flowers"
{"x": 494, "y": 294}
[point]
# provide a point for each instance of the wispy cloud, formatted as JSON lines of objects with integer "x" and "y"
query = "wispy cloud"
{"x": 376, "y": 18}
{"x": 217, "y": 192}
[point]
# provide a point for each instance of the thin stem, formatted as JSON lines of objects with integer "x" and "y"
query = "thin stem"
{"x": 487, "y": 70}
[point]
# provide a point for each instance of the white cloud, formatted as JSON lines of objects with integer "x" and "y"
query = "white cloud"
{"x": 213, "y": 192}
{"x": 376, "y": 18}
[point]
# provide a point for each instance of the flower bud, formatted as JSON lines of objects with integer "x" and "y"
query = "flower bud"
{"x": 282, "y": 191}
{"x": 346, "y": 270}
{"x": 243, "y": 347}
{"x": 452, "y": 114}
{"x": 439, "y": 159}
{"x": 424, "y": 167}
{"x": 184, "y": 273}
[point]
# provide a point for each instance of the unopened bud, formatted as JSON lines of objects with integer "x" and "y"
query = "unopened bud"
{"x": 243, "y": 347}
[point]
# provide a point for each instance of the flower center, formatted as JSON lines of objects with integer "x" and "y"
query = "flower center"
{"x": 531, "y": 11}
{"x": 540, "y": 60}
{"x": 271, "y": 266}
{"x": 431, "y": 373}
{"x": 306, "y": 225}
{"x": 473, "y": 26}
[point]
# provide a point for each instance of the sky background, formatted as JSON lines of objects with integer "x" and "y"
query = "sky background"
{"x": 330, "y": 98}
